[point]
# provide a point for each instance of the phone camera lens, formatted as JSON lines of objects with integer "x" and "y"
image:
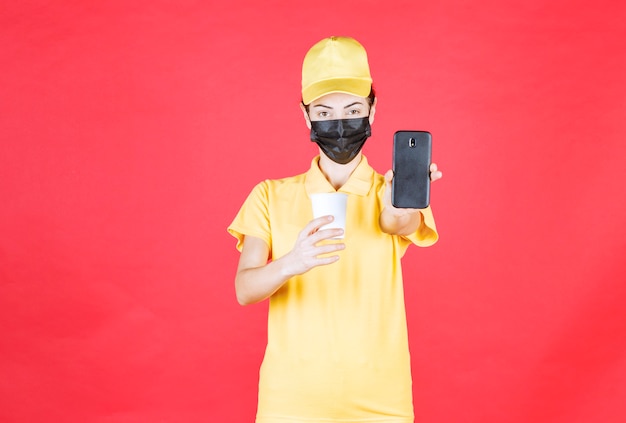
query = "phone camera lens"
{"x": 412, "y": 142}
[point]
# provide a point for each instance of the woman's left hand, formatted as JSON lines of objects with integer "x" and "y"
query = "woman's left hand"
{"x": 434, "y": 172}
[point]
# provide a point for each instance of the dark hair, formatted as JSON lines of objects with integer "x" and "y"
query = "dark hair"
{"x": 370, "y": 99}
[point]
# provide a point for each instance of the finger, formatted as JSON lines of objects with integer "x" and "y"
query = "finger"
{"x": 436, "y": 175}
{"x": 314, "y": 225}
{"x": 433, "y": 167}
{"x": 323, "y": 234}
{"x": 323, "y": 261}
{"x": 329, "y": 248}
{"x": 389, "y": 176}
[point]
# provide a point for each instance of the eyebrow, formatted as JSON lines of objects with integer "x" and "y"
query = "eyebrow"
{"x": 345, "y": 107}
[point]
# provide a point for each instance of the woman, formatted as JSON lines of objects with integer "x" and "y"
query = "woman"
{"x": 337, "y": 342}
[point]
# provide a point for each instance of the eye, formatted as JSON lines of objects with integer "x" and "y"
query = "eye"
{"x": 322, "y": 114}
{"x": 356, "y": 109}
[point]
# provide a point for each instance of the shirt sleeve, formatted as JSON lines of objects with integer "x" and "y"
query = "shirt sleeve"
{"x": 253, "y": 217}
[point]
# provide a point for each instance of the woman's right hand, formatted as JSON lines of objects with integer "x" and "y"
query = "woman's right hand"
{"x": 257, "y": 279}
{"x": 306, "y": 252}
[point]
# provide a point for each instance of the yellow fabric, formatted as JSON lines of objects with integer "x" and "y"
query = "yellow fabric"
{"x": 335, "y": 64}
{"x": 337, "y": 342}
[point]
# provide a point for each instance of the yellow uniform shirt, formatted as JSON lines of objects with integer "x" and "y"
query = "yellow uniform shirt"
{"x": 337, "y": 346}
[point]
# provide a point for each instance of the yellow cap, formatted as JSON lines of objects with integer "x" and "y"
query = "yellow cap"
{"x": 335, "y": 65}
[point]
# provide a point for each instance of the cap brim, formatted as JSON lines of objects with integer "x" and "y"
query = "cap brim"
{"x": 360, "y": 87}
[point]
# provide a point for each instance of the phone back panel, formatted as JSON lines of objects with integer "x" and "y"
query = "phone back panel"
{"x": 411, "y": 169}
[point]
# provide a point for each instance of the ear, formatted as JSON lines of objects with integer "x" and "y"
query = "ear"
{"x": 306, "y": 115}
{"x": 373, "y": 110}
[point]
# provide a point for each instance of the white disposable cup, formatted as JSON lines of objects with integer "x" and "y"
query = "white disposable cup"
{"x": 331, "y": 203}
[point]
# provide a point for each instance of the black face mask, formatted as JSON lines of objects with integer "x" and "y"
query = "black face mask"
{"x": 341, "y": 139}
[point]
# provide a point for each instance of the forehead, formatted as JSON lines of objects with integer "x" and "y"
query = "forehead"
{"x": 338, "y": 100}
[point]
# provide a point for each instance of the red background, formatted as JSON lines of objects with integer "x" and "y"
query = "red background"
{"x": 131, "y": 133}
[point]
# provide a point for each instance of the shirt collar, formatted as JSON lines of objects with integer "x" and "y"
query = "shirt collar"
{"x": 359, "y": 182}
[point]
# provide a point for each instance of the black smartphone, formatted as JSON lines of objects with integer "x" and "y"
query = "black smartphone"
{"x": 410, "y": 188}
